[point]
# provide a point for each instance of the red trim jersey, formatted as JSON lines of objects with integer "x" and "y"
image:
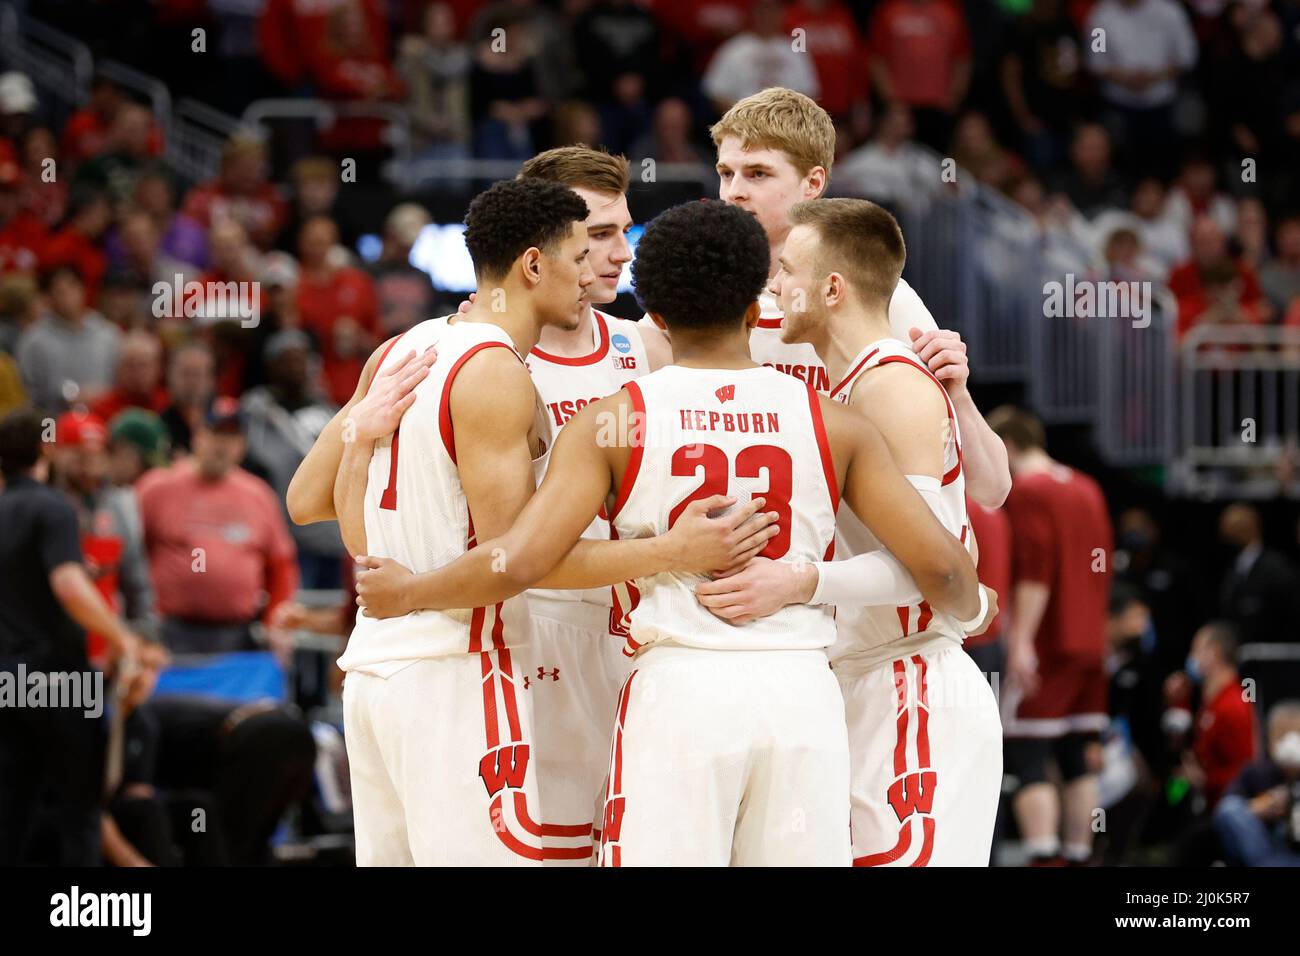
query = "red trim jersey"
{"x": 568, "y": 385}
{"x": 876, "y": 634}
{"x": 416, "y": 512}
{"x": 740, "y": 432}
{"x": 906, "y": 311}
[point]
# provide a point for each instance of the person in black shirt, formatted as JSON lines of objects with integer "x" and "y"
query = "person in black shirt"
{"x": 49, "y": 754}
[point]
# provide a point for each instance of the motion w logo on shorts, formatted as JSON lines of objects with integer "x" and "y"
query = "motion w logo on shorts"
{"x": 504, "y": 767}
{"x": 911, "y": 795}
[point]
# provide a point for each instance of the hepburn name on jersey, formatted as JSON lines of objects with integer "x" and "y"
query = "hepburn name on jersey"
{"x": 757, "y": 423}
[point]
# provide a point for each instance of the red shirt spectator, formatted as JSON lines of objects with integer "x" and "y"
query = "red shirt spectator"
{"x": 289, "y": 32}
{"x": 338, "y": 305}
{"x": 79, "y": 244}
{"x": 22, "y": 234}
{"x": 1225, "y": 738}
{"x": 1062, "y": 538}
{"x": 993, "y": 536}
{"x": 86, "y": 133}
{"x": 215, "y": 545}
{"x": 837, "y": 49}
{"x": 920, "y": 44}
{"x": 1212, "y": 286}
{"x": 240, "y": 192}
{"x": 703, "y": 24}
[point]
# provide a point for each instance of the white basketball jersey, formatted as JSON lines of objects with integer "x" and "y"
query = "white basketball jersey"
{"x": 799, "y": 359}
{"x": 747, "y": 433}
{"x": 568, "y": 385}
{"x": 416, "y": 513}
{"x": 865, "y": 631}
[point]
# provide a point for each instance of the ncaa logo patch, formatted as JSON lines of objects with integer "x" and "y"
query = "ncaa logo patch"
{"x": 621, "y": 342}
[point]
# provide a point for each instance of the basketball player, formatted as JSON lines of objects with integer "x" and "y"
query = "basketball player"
{"x": 1057, "y": 691}
{"x": 776, "y": 148}
{"x": 924, "y": 732}
{"x": 438, "y": 736}
{"x": 729, "y": 744}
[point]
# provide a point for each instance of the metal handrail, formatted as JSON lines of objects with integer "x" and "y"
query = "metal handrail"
{"x": 152, "y": 88}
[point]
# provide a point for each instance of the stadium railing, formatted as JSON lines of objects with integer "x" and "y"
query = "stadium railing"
{"x": 60, "y": 65}
{"x": 1239, "y": 406}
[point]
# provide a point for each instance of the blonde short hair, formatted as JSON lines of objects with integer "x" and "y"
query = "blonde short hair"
{"x": 859, "y": 240}
{"x": 777, "y": 118}
{"x": 580, "y": 166}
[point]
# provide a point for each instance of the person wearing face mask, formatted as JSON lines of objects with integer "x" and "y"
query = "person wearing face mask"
{"x": 1258, "y": 820}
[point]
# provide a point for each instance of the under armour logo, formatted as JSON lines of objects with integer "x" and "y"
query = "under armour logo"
{"x": 726, "y": 393}
{"x": 553, "y": 675}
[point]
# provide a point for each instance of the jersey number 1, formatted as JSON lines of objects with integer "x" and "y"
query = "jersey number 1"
{"x": 689, "y": 459}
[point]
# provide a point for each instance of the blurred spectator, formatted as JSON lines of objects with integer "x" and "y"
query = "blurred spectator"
{"x": 976, "y": 150}
{"x": 505, "y": 96}
{"x": 352, "y": 64}
{"x": 18, "y": 103}
{"x": 547, "y": 36}
{"x": 20, "y": 306}
{"x": 125, "y": 155}
{"x": 109, "y": 521}
{"x": 179, "y": 237}
{"x": 1259, "y": 592}
{"x": 1224, "y": 737}
{"x": 137, "y": 441}
{"x": 1092, "y": 183}
{"x": 435, "y": 65}
{"x": 70, "y": 353}
{"x": 838, "y": 51}
{"x": 337, "y": 305}
{"x": 1056, "y": 641}
{"x": 669, "y": 138}
{"x": 575, "y": 123}
{"x": 79, "y": 242}
{"x": 240, "y": 192}
{"x": 616, "y": 44}
{"x": 1042, "y": 80}
{"x": 138, "y": 382}
{"x": 1148, "y": 46}
{"x": 1279, "y": 276}
{"x": 282, "y": 420}
{"x": 143, "y": 260}
{"x": 219, "y": 549}
{"x": 404, "y": 292}
{"x": 1163, "y": 243}
{"x": 316, "y": 181}
{"x": 191, "y": 384}
{"x": 1194, "y": 194}
{"x": 43, "y": 192}
{"x": 87, "y": 132}
{"x": 1213, "y": 287}
{"x": 22, "y": 233}
{"x": 703, "y": 24}
{"x": 291, "y": 34}
{"x": 49, "y": 756}
{"x": 921, "y": 56}
{"x": 757, "y": 58}
{"x": 891, "y": 168}
{"x": 1258, "y": 819}
{"x": 1241, "y": 99}
{"x": 1252, "y": 237}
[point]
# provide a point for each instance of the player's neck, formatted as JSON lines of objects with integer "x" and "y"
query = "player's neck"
{"x": 712, "y": 350}
{"x": 520, "y": 324}
{"x": 846, "y": 335}
{"x": 1034, "y": 462}
{"x": 569, "y": 343}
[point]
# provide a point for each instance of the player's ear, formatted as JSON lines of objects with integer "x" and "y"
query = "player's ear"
{"x": 531, "y": 264}
{"x": 751, "y": 315}
{"x": 817, "y": 180}
{"x": 836, "y": 289}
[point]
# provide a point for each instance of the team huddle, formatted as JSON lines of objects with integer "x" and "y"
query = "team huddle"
{"x": 689, "y": 590}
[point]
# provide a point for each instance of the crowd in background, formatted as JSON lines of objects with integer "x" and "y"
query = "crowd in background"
{"x": 1171, "y": 153}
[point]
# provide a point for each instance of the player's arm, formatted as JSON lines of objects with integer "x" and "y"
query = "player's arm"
{"x": 372, "y": 419}
{"x": 535, "y": 550}
{"x": 984, "y": 456}
{"x": 310, "y": 497}
{"x": 658, "y": 349}
{"x": 887, "y": 503}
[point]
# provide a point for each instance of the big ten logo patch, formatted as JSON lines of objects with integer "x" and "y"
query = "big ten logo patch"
{"x": 622, "y": 346}
{"x": 504, "y": 767}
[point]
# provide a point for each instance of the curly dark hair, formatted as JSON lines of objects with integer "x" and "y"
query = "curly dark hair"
{"x": 700, "y": 265}
{"x": 515, "y": 215}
